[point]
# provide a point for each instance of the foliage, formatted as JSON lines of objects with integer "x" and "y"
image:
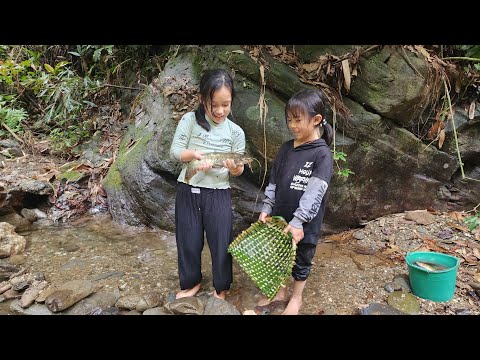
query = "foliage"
{"x": 473, "y": 221}
{"x": 11, "y": 117}
{"x": 473, "y": 52}
{"x": 341, "y": 156}
{"x": 59, "y": 89}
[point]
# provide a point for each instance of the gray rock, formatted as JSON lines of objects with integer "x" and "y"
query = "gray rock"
{"x": 380, "y": 309}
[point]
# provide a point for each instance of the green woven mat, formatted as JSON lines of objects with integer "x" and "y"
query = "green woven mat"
{"x": 266, "y": 254}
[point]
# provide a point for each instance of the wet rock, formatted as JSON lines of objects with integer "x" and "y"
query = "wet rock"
{"x": 359, "y": 235}
{"x": 128, "y": 302}
{"x": 186, "y": 306}
{"x": 463, "y": 312}
{"x": 4, "y": 286}
{"x": 22, "y": 282}
{"x": 404, "y": 301}
{"x": 30, "y": 215}
{"x": 45, "y": 293}
{"x": 97, "y": 302}
{"x": 131, "y": 312}
{"x": 389, "y": 287}
{"x": 217, "y": 306}
{"x": 10, "y": 242}
{"x": 40, "y": 214}
{"x": 422, "y": 217}
{"x": 149, "y": 300}
{"x": 75, "y": 263}
{"x": 10, "y": 294}
{"x": 18, "y": 222}
{"x": 380, "y": 309}
{"x": 402, "y": 282}
{"x": 35, "y": 309}
{"x": 9, "y": 143}
{"x": 29, "y": 296}
{"x": 107, "y": 275}
{"x": 17, "y": 259}
{"x": 156, "y": 311}
{"x": 7, "y": 270}
{"x": 68, "y": 294}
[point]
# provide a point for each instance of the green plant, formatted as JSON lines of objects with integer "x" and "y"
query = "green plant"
{"x": 11, "y": 118}
{"x": 341, "y": 156}
{"x": 473, "y": 221}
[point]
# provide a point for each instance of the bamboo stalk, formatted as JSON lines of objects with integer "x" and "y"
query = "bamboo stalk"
{"x": 454, "y": 128}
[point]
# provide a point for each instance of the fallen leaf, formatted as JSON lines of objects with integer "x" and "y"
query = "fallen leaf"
{"x": 441, "y": 138}
{"x": 471, "y": 110}
{"x": 456, "y": 215}
{"x": 458, "y": 227}
{"x": 346, "y": 74}
{"x": 434, "y": 130}
{"x": 424, "y": 52}
{"x": 476, "y": 252}
{"x": 311, "y": 67}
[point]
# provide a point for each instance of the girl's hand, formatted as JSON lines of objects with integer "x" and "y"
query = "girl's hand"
{"x": 232, "y": 168}
{"x": 263, "y": 217}
{"x": 188, "y": 155}
{"x": 297, "y": 234}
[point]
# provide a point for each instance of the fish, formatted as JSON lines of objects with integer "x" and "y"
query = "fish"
{"x": 216, "y": 159}
{"x": 430, "y": 266}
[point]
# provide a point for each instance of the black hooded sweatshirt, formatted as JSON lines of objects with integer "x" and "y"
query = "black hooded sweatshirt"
{"x": 297, "y": 186}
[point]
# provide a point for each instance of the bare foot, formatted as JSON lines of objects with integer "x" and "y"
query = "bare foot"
{"x": 293, "y": 306}
{"x": 219, "y": 296}
{"x": 188, "y": 292}
{"x": 281, "y": 296}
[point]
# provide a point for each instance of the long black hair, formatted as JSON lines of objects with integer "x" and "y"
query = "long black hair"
{"x": 311, "y": 102}
{"x": 211, "y": 81}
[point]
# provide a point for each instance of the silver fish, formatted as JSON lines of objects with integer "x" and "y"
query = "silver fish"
{"x": 430, "y": 266}
{"x": 216, "y": 159}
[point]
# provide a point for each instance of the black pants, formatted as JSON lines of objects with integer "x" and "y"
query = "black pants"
{"x": 303, "y": 261}
{"x": 198, "y": 210}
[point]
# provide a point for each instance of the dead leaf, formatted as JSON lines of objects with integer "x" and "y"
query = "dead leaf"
{"x": 341, "y": 237}
{"x": 433, "y": 131}
{"x": 168, "y": 90}
{"x": 458, "y": 227}
{"x": 477, "y": 234}
{"x": 276, "y": 51}
{"x": 441, "y": 138}
{"x": 456, "y": 215}
{"x": 463, "y": 286}
{"x": 346, "y": 74}
{"x": 311, "y": 67}
{"x": 471, "y": 110}
{"x": 238, "y": 52}
{"x": 476, "y": 252}
{"x": 424, "y": 52}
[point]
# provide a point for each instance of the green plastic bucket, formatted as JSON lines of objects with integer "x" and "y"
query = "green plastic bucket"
{"x": 433, "y": 285}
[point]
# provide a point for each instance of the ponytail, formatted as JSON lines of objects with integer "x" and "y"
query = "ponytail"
{"x": 200, "y": 117}
{"x": 327, "y": 132}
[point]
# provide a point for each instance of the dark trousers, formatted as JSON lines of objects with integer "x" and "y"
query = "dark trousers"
{"x": 210, "y": 210}
{"x": 303, "y": 261}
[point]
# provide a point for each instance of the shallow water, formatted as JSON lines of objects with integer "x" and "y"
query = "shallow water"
{"x": 97, "y": 245}
{"x": 142, "y": 259}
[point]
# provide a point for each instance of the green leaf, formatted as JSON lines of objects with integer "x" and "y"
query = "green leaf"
{"x": 49, "y": 68}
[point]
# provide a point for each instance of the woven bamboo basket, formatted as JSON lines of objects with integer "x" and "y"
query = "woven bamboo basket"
{"x": 266, "y": 254}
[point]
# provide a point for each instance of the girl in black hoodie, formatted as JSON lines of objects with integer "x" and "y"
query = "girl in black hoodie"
{"x": 298, "y": 183}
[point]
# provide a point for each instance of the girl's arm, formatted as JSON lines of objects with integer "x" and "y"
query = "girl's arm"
{"x": 178, "y": 149}
{"x": 310, "y": 202}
